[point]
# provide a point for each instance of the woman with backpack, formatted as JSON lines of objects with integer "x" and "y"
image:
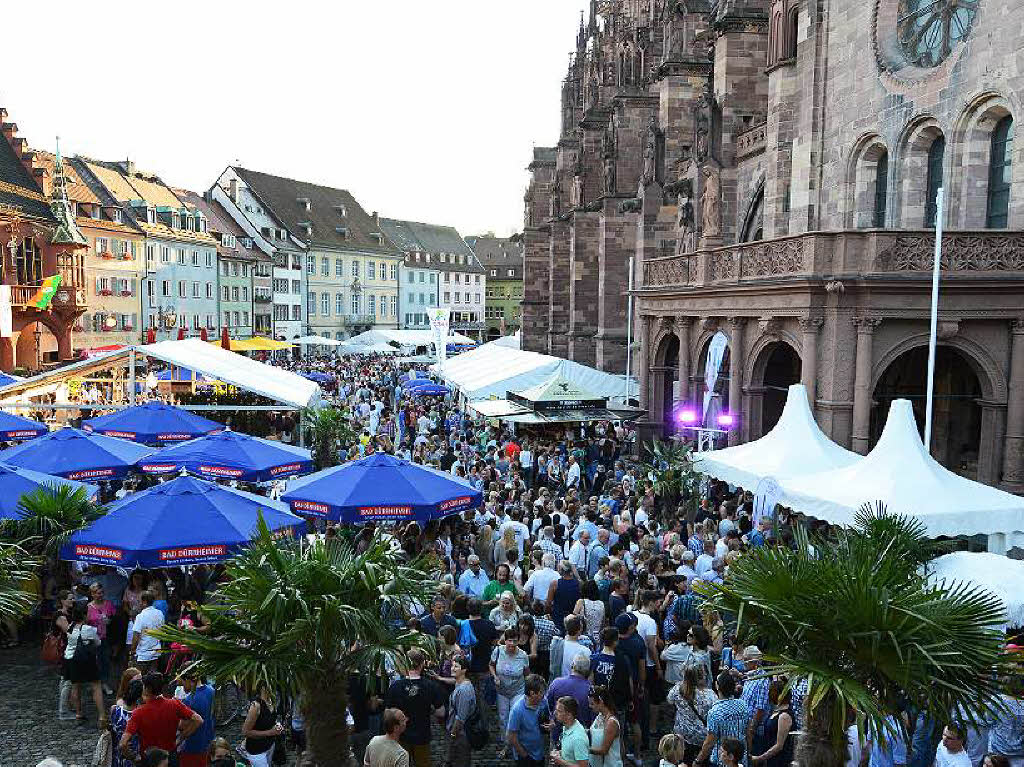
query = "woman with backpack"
{"x": 81, "y": 663}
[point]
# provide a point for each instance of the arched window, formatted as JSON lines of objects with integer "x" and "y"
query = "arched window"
{"x": 881, "y": 190}
{"x": 999, "y": 162}
{"x": 791, "y": 32}
{"x": 935, "y": 154}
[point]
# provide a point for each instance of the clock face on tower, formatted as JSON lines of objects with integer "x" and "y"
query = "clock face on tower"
{"x": 929, "y": 30}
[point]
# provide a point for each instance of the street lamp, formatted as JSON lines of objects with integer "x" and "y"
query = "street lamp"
{"x": 689, "y": 418}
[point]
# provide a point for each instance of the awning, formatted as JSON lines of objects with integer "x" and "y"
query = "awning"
{"x": 205, "y": 358}
{"x": 406, "y": 337}
{"x": 257, "y": 344}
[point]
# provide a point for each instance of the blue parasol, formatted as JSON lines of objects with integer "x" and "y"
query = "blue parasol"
{"x": 380, "y": 488}
{"x": 152, "y": 423}
{"x": 318, "y": 377}
{"x": 7, "y": 380}
{"x": 186, "y": 521}
{"x": 75, "y": 454}
{"x": 16, "y": 482}
{"x": 179, "y": 374}
{"x": 230, "y": 455}
{"x": 14, "y": 427}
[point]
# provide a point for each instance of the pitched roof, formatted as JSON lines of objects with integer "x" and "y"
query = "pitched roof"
{"x": 435, "y": 239}
{"x": 78, "y": 190}
{"x": 328, "y": 227}
{"x": 499, "y": 253}
{"x": 219, "y": 222}
{"x": 17, "y": 187}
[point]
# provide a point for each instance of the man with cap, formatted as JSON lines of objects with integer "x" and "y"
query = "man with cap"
{"x": 755, "y": 695}
{"x": 634, "y": 648}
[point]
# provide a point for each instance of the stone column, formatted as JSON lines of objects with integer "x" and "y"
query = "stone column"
{"x": 1013, "y": 450}
{"x": 809, "y": 356}
{"x": 683, "y": 334}
{"x": 643, "y": 363}
{"x": 862, "y": 383}
{"x": 736, "y": 325}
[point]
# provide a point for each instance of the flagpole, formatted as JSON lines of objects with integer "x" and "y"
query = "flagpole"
{"x": 629, "y": 332}
{"x": 936, "y": 267}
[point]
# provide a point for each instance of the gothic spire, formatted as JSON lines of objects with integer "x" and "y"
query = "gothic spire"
{"x": 67, "y": 232}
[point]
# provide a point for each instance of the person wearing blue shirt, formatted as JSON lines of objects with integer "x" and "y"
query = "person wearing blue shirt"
{"x": 199, "y": 698}
{"x": 436, "y": 618}
{"x": 524, "y": 731}
{"x": 473, "y": 581}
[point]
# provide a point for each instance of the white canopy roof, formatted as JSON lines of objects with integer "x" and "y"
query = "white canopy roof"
{"x": 513, "y": 341}
{"x": 405, "y": 337}
{"x": 996, "y": 573}
{"x": 491, "y": 371}
{"x": 214, "y": 362}
{"x": 317, "y": 340}
{"x": 377, "y": 348}
{"x": 795, "y": 447}
{"x": 900, "y": 473}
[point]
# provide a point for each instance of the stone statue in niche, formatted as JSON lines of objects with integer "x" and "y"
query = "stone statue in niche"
{"x": 556, "y": 196}
{"x": 578, "y": 182}
{"x": 674, "y": 29}
{"x": 711, "y": 203}
{"x": 702, "y": 134}
{"x": 609, "y": 175}
{"x": 685, "y": 229}
{"x": 650, "y": 153}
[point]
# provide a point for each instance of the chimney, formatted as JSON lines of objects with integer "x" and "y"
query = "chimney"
{"x": 233, "y": 190}
{"x": 129, "y": 167}
{"x": 376, "y": 220}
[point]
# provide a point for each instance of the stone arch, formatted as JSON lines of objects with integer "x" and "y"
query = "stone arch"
{"x": 970, "y": 153}
{"x": 910, "y": 172}
{"x": 990, "y": 373}
{"x": 663, "y": 372}
{"x": 773, "y": 364}
{"x": 752, "y": 225}
{"x": 867, "y": 177}
{"x": 25, "y": 352}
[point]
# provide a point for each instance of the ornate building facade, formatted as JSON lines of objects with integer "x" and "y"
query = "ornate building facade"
{"x": 772, "y": 167}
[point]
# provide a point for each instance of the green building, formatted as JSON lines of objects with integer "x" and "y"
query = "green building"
{"x": 502, "y": 259}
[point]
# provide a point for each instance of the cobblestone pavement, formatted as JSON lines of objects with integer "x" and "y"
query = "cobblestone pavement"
{"x": 30, "y": 732}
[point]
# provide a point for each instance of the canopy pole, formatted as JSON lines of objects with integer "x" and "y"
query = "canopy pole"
{"x": 131, "y": 376}
{"x": 933, "y": 334}
{"x": 629, "y": 333}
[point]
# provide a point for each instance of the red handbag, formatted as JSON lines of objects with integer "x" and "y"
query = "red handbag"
{"x": 53, "y": 649}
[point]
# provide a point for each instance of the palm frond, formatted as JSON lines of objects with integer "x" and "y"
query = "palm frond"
{"x": 16, "y": 573}
{"x": 50, "y": 515}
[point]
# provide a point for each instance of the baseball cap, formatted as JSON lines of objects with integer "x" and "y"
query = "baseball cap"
{"x": 624, "y": 621}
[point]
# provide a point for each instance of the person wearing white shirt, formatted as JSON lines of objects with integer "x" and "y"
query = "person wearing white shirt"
{"x": 721, "y": 548}
{"x": 522, "y": 533}
{"x": 686, "y": 568}
{"x": 951, "y": 752}
{"x": 572, "y": 475}
{"x": 145, "y": 648}
{"x": 705, "y": 560}
{"x": 578, "y": 555}
{"x": 539, "y": 582}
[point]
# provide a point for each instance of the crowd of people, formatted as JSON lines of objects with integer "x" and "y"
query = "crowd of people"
{"x": 569, "y": 625}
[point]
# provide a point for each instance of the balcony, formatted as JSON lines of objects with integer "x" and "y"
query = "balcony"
{"x": 853, "y": 253}
{"x": 68, "y": 298}
{"x": 751, "y": 141}
{"x": 262, "y": 299}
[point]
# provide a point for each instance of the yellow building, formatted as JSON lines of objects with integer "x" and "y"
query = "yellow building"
{"x": 113, "y": 263}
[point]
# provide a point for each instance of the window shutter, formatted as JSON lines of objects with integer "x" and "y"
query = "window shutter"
{"x": 98, "y": 284}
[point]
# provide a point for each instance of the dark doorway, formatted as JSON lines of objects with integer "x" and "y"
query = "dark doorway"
{"x": 956, "y": 420}
{"x": 781, "y": 370}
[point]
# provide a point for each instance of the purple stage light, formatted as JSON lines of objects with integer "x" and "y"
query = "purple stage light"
{"x": 687, "y": 416}
{"x": 726, "y": 420}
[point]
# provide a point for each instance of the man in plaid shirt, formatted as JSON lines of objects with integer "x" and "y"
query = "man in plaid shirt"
{"x": 755, "y": 694}
{"x": 728, "y": 718}
{"x": 548, "y": 546}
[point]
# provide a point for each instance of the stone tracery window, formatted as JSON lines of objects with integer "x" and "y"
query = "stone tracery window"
{"x": 929, "y": 29}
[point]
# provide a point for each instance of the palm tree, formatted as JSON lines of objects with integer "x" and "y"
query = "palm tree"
{"x": 50, "y": 515}
{"x": 674, "y": 476}
{"x": 301, "y": 619}
{"x": 855, "y": 616}
{"x": 16, "y": 569}
{"x": 330, "y": 429}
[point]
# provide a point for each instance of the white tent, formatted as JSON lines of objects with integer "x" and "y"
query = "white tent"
{"x": 317, "y": 341}
{"x": 1000, "y": 575}
{"x": 377, "y": 348}
{"x": 900, "y": 473}
{"x": 514, "y": 341}
{"x": 237, "y": 369}
{"x": 491, "y": 371}
{"x": 405, "y": 337}
{"x": 794, "y": 447}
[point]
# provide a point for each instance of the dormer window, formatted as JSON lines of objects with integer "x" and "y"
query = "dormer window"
{"x": 343, "y": 231}
{"x": 341, "y": 210}
{"x": 115, "y": 215}
{"x": 428, "y": 257}
{"x": 175, "y": 221}
{"x": 417, "y": 258}
{"x": 304, "y": 203}
{"x": 150, "y": 215}
{"x": 307, "y": 227}
{"x": 227, "y": 240}
{"x": 202, "y": 224}
{"x": 377, "y": 237}
{"x": 247, "y": 242}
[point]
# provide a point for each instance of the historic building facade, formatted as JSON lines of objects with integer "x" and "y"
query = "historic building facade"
{"x": 39, "y": 238}
{"x": 502, "y": 259}
{"x": 773, "y": 167}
